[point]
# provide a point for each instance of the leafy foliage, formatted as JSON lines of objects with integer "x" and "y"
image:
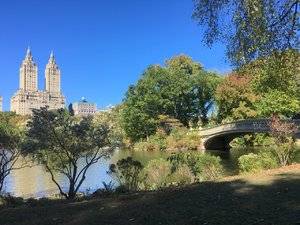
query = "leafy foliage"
{"x": 182, "y": 176}
{"x": 250, "y": 28}
{"x": 183, "y": 140}
{"x": 156, "y": 142}
{"x": 235, "y": 98}
{"x": 203, "y": 166}
{"x": 283, "y": 133}
{"x": 277, "y": 72}
{"x": 256, "y": 162}
{"x": 11, "y": 136}
{"x": 112, "y": 118}
{"x": 11, "y": 201}
{"x": 127, "y": 171}
{"x": 61, "y": 142}
{"x": 156, "y": 174}
{"x": 181, "y": 90}
{"x": 278, "y": 102}
{"x": 253, "y": 140}
{"x": 179, "y": 139}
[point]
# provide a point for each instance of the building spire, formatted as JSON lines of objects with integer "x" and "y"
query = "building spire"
{"x": 28, "y": 53}
{"x": 52, "y": 58}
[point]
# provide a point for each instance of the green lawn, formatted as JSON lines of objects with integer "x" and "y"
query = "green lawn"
{"x": 266, "y": 198}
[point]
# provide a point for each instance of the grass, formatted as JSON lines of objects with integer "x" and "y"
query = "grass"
{"x": 270, "y": 197}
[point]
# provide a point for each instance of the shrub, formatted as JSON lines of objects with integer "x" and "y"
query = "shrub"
{"x": 285, "y": 152}
{"x": 181, "y": 176}
{"x": 155, "y": 142}
{"x": 33, "y": 202}
{"x": 106, "y": 190}
{"x": 182, "y": 140}
{"x": 251, "y": 140}
{"x": 207, "y": 167}
{"x": 238, "y": 142}
{"x": 256, "y": 162}
{"x": 203, "y": 166}
{"x": 268, "y": 160}
{"x": 263, "y": 140}
{"x": 155, "y": 174}
{"x": 145, "y": 146}
{"x": 127, "y": 171}
{"x": 283, "y": 133}
{"x": 11, "y": 201}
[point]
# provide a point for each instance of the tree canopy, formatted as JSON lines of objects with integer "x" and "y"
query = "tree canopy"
{"x": 250, "y": 28}
{"x": 11, "y": 136}
{"x": 235, "y": 98}
{"x": 181, "y": 89}
{"x": 66, "y": 146}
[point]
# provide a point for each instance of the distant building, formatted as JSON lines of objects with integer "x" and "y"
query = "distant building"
{"x": 84, "y": 108}
{"x": 106, "y": 109}
{"x": 28, "y": 96}
{"x": 1, "y": 102}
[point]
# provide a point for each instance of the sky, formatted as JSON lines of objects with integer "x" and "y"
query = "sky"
{"x": 101, "y": 46}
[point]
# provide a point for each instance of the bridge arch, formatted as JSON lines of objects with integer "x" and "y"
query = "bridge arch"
{"x": 218, "y": 138}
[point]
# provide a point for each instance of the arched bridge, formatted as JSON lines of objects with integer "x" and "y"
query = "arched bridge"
{"x": 218, "y": 138}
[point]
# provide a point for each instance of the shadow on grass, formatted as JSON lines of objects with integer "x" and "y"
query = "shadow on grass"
{"x": 274, "y": 201}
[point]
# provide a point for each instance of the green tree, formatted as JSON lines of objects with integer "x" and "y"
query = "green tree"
{"x": 204, "y": 87}
{"x": 144, "y": 102}
{"x": 277, "y": 102}
{"x": 250, "y": 28}
{"x": 66, "y": 146}
{"x": 11, "y": 136}
{"x": 180, "y": 90}
{"x": 265, "y": 86}
{"x": 235, "y": 98}
{"x": 112, "y": 118}
{"x": 279, "y": 72}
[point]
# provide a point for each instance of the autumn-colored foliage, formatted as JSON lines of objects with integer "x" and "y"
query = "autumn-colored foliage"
{"x": 235, "y": 97}
{"x": 283, "y": 133}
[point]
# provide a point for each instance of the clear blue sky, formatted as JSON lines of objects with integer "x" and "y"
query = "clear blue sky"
{"x": 101, "y": 46}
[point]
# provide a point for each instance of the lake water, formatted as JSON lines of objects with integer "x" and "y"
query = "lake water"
{"x": 36, "y": 182}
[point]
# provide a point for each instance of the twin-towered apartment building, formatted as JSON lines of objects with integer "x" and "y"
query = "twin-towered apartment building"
{"x": 28, "y": 96}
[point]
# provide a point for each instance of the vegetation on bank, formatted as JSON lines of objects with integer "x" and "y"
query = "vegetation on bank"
{"x": 270, "y": 197}
{"x": 177, "y": 170}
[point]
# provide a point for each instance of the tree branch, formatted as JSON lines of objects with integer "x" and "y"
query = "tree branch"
{"x": 57, "y": 184}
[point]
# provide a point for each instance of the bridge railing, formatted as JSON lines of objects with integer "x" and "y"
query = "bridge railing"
{"x": 254, "y": 125}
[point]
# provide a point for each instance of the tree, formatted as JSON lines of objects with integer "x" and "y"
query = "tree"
{"x": 204, "y": 87}
{"x": 235, "y": 98}
{"x": 277, "y": 102}
{"x": 181, "y": 90}
{"x": 278, "y": 72}
{"x": 66, "y": 145}
{"x": 283, "y": 133}
{"x": 112, "y": 118}
{"x": 250, "y": 28}
{"x": 71, "y": 110}
{"x": 11, "y": 134}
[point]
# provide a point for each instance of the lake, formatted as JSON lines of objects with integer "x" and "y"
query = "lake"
{"x": 36, "y": 182}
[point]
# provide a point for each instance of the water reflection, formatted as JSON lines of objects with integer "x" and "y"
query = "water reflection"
{"x": 36, "y": 182}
